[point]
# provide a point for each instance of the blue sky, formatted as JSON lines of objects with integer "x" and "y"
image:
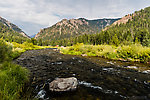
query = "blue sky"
{"x": 33, "y": 15}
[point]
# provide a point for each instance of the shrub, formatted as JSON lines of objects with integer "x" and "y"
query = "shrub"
{"x": 12, "y": 78}
{"x": 5, "y": 51}
{"x": 133, "y": 52}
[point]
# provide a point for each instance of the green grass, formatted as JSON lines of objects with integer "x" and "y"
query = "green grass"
{"x": 134, "y": 52}
{"x": 12, "y": 76}
{"x": 12, "y": 79}
{"x": 20, "y": 48}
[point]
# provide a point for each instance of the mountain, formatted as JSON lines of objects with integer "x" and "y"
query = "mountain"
{"x": 130, "y": 29}
{"x": 73, "y": 27}
{"x": 11, "y": 32}
{"x": 12, "y": 26}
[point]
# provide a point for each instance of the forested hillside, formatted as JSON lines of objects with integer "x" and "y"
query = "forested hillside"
{"x": 72, "y": 28}
{"x": 135, "y": 29}
{"x": 10, "y": 35}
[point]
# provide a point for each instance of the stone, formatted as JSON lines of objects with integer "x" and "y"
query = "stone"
{"x": 63, "y": 84}
{"x": 83, "y": 54}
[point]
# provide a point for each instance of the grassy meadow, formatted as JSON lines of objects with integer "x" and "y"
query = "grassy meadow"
{"x": 133, "y": 52}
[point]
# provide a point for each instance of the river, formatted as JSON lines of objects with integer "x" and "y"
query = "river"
{"x": 98, "y": 78}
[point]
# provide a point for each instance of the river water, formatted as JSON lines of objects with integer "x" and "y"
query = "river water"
{"x": 98, "y": 78}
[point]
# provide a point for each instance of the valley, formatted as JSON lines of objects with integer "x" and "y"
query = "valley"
{"x": 93, "y": 59}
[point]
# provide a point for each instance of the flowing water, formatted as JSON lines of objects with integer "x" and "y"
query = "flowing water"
{"x": 98, "y": 78}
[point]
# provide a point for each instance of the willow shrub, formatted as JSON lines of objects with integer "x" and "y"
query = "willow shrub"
{"x": 20, "y": 48}
{"x": 134, "y": 52}
{"x": 5, "y": 51}
{"x": 12, "y": 79}
{"x": 12, "y": 76}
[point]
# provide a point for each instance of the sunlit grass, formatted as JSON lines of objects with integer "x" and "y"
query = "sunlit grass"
{"x": 12, "y": 76}
{"x": 134, "y": 52}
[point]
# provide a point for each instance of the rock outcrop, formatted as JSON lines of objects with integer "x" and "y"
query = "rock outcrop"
{"x": 12, "y": 26}
{"x": 73, "y": 27}
{"x": 63, "y": 84}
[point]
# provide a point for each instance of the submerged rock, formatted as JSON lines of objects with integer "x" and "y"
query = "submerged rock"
{"x": 132, "y": 67}
{"x": 146, "y": 71}
{"x": 63, "y": 84}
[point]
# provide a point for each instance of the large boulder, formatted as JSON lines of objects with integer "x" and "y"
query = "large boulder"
{"x": 63, "y": 84}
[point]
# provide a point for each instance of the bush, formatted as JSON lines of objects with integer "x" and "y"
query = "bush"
{"x": 12, "y": 78}
{"x": 5, "y": 51}
{"x": 134, "y": 52}
{"x": 144, "y": 55}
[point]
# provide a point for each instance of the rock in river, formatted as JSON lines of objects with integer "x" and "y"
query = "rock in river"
{"x": 63, "y": 84}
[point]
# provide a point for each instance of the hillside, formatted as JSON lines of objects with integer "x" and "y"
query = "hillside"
{"x": 12, "y": 26}
{"x": 132, "y": 28}
{"x": 73, "y": 27}
{"x": 11, "y": 32}
{"x": 123, "y": 20}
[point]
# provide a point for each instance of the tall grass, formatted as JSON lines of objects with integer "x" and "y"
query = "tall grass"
{"x": 12, "y": 79}
{"x": 20, "y": 48}
{"x": 134, "y": 52}
{"x": 12, "y": 76}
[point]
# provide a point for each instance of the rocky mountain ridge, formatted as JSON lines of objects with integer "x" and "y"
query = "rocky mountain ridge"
{"x": 73, "y": 27}
{"x": 12, "y": 26}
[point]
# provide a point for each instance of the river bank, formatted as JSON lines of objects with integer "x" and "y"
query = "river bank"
{"x": 98, "y": 78}
{"x": 134, "y": 52}
{"x": 12, "y": 76}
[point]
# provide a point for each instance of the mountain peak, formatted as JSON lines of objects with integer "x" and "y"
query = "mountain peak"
{"x": 124, "y": 19}
{"x": 67, "y": 28}
{"x": 12, "y": 26}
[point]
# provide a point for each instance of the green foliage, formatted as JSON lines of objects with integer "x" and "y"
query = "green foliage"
{"x": 12, "y": 78}
{"x": 33, "y": 41}
{"x": 136, "y": 30}
{"x": 20, "y": 48}
{"x": 126, "y": 52}
{"x": 134, "y": 52}
{"x": 5, "y": 51}
{"x": 71, "y": 29}
{"x": 10, "y": 35}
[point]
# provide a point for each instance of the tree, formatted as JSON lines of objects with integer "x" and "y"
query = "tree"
{"x": 40, "y": 42}
{"x": 115, "y": 40}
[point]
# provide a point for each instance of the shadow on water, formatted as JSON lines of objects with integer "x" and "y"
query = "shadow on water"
{"x": 99, "y": 79}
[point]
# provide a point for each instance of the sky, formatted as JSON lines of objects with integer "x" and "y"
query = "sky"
{"x": 33, "y": 15}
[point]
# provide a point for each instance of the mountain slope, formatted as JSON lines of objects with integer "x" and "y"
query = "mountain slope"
{"x": 8, "y": 32}
{"x": 73, "y": 27}
{"x": 123, "y": 20}
{"x": 12, "y": 26}
{"x": 132, "y": 28}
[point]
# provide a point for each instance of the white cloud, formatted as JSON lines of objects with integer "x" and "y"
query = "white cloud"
{"x": 48, "y": 12}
